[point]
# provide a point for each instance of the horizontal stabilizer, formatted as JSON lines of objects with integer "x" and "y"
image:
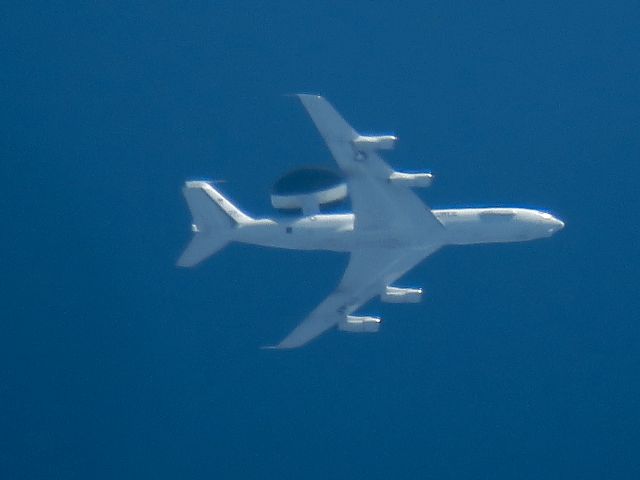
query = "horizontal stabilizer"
{"x": 201, "y": 247}
{"x": 214, "y": 220}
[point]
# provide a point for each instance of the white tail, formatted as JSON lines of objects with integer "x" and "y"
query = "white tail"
{"x": 214, "y": 218}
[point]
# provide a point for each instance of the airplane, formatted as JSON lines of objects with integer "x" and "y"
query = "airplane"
{"x": 389, "y": 232}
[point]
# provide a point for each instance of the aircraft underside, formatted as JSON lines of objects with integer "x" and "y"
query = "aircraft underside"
{"x": 390, "y": 231}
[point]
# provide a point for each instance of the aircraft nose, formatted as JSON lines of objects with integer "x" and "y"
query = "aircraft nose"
{"x": 556, "y": 225}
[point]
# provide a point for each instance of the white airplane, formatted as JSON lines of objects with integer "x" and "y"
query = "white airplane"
{"x": 389, "y": 232}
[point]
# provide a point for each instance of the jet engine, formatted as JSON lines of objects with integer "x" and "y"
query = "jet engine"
{"x": 377, "y": 142}
{"x": 401, "y": 295}
{"x": 360, "y": 324}
{"x": 412, "y": 180}
{"x": 308, "y": 190}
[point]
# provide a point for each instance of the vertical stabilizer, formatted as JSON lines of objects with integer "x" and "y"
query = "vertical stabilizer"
{"x": 214, "y": 220}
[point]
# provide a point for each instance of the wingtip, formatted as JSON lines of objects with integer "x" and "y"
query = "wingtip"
{"x": 269, "y": 347}
{"x": 279, "y": 346}
{"x": 301, "y": 95}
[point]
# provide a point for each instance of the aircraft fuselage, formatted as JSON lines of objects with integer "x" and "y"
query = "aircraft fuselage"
{"x": 463, "y": 226}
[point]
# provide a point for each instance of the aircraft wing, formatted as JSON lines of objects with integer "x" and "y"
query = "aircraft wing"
{"x": 377, "y": 204}
{"x": 367, "y": 275}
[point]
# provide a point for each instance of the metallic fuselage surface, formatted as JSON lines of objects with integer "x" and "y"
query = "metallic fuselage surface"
{"x": 390, "y": 231}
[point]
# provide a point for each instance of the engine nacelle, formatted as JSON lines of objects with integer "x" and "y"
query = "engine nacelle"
{"x": 401, "y": 295}
{"x": 412, "y": 180}
{"x": 378, "y": 142}
{"x": 360, "y": 324}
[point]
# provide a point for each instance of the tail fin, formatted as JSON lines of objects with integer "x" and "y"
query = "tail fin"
{"x": 214, "y": 218}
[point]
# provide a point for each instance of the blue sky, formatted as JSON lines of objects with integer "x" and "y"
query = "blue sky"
{"x": 522, "y": 362}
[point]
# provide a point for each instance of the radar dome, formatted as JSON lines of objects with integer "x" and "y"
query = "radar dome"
{"x": 308, "y": 190}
